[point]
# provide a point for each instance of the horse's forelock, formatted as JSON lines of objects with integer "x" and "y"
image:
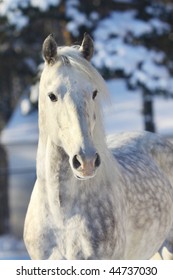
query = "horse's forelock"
{"x": 71, "y": 57}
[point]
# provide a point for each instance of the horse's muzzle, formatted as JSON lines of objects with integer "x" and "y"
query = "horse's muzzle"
{"x": 85, "y": 167}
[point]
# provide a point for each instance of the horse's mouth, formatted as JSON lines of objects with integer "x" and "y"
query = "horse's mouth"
{"x": 83, "y": 178}
{"x": 80, "y": 178}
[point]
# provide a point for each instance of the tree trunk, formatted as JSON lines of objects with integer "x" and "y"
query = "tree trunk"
{"x": 4, "y": 211}
{"x": 148, "y": 111}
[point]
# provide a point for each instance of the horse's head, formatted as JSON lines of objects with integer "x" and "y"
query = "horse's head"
{"x": 68, "y": 100}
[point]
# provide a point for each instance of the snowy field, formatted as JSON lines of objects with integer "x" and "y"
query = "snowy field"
{"x": 122, "y": 113}
{"x": 12, "y": 248}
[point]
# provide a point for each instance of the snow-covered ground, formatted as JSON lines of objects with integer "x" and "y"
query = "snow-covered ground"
{"x": 123, "y": 113}
{"x": 12, "y": 248}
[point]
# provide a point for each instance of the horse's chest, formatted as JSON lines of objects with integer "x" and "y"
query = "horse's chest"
{"x": 83, "y": 239}
{"x": 89, "y": 231}
{"x": 73, "y": 239}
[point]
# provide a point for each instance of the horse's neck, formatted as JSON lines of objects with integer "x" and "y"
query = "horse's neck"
{"x": 52, "y": 169}
{"x": 51, "y": 162}
{"x": 64, "y": 194}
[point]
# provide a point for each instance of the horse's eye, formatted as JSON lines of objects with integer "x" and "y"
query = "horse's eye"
{"x": 94, "y": 94}
{"x": 52, "y": 97}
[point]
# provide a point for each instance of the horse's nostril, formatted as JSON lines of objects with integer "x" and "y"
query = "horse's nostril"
{"x": 97, "y": 160}
{"x": 76, "y": 162}
{"x": 85, "y": 163}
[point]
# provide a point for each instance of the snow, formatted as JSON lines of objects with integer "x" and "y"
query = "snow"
{"x": 25, "y": 106}
{"x": 116, "y": 55}
{"x": 125, "y": 112}
{"x": 12, "y": 248}
{"x": 114, "y": 50}
{"x": 34, "y": 93}
{"x": 21, "y": 128}
{"x": 44, "y": 5}
{"x": 113, "y": 37}
{"x": 164, "y": 115}
{"x": 159, "y": 26}
{"x": 76, "y": 17}
{"x": 15, "y": 16}
{"x": 116, "y": 25}
{"x": 31, "y": 64}
{"x": 153, "y": 76}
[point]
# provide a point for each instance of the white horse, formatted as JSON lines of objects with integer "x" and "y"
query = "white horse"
{"x": 94, "y": 199}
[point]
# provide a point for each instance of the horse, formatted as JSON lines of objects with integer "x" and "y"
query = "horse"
{"x": 95, "y": 196}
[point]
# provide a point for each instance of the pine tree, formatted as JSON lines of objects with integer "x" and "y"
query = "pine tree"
{"x": 20, "y": 47}
{"x": 21, "y": 50}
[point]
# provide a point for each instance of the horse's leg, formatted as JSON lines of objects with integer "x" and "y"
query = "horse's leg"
{"x": 163, "y": 254}
{"x": 157, "y": 256}
{"x": 166, "y": 250}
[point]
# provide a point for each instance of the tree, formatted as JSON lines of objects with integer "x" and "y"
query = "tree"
{"x": 24, "y": 26}
{"x": 4, "y": 213}
{"x": 133, "y": 41}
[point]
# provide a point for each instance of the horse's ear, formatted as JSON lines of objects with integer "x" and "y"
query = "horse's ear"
{"x": 87, "y": 47}
{"x": 50, "y": 50}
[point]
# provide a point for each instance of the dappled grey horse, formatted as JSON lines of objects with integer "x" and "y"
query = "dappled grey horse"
{"x": 94, "y": 198}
